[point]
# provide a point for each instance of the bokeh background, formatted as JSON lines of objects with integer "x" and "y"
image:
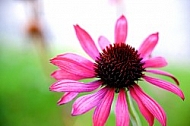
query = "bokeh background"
{"x": 34, "y": 31}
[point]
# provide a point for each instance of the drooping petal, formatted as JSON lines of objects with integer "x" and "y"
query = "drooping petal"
{"x": 121, "y": 110}
{"x": 121, "y": 30}
{"x": 103, "y": 42}
{"x": 86, "y": 42}
{"x": 102, "y": 111}
{"x": 155, "y": 62}
{"x": 148, "y": 45}
{"x": 67, "y": 97}
{"x": 74, "y": 64}
{"x": 62, "y": 74}
{"x": 74, "y": 86}
{"x": 151, "y": 105}
{"x": 145, "y": 112}
{"x": 165, "y": 85}
{"x": 160, "y": 72}
{"x": 87, "y": 102}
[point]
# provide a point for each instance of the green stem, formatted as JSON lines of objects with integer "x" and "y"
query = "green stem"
{"x": 135, "y": 120}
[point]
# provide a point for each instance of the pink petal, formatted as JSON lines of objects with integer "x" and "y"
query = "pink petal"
{"x": 164, "y": 73}
{"x": 62, "y": 74}
{"x": 145, "y": 112}
{"x": 67, "y": 97}
{"x": 155, "y": 62}
{"x": 86, "y": 42}
{"x": 74, "y": 86}
{"x": 103, "y": 42}
{"x": 121, "y": 110}
{"x": 148, "y": 45}
{"x": 165, "y": 85}
{"x": 151, "y": 105}
{"x": 74, "y": 64}
{"x": 76, "y": 58}
{"x": 87, "y": 102}
{"x": 121, "y": 30}
{"x": 102, "y": 111}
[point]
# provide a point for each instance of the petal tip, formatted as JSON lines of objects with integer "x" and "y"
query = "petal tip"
{"x": 73, "y": 112}
{"x": 51, "y": 60}
{"x": 53, "y": 74}
{"x": 156, "y": 36}
{"x": 76, "y": 27}
{"x": 122, "y": 17}
{"x": 183, "y": 97}
{"x": 60, "y": 103}
{"x": 51, "y": 88}
{"x": 157, "y": 33}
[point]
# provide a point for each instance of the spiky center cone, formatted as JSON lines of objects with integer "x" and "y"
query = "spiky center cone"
{"x": 119, "y": 66}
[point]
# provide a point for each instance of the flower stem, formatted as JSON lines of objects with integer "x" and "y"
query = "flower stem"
{"x": 135, "y": 120}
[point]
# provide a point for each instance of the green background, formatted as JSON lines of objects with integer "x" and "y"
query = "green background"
{"x": 25, "y": 99}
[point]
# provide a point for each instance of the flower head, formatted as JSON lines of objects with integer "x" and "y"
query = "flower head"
{"x": 117, "y": 68}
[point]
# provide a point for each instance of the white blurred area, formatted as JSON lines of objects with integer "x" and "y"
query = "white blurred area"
{"x": 170, "y": 18}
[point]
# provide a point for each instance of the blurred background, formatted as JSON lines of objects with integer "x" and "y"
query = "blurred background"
{"x": 34, "y": 31}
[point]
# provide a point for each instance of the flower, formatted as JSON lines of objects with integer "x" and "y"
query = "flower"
{"x": 117, "y": 68}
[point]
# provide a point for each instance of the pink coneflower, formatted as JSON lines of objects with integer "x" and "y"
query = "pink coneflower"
{"x": 117, "y": 68}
